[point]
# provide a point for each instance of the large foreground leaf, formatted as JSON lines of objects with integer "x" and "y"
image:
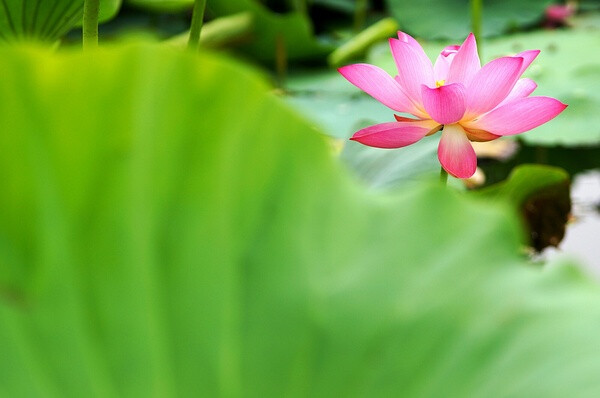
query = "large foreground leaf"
{"x": 169, "y": 229}
{"x": 45, "y": 20}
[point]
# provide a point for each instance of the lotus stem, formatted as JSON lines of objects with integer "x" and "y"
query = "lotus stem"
{"x": 360, "y": 15}
{"x": 300, "y": 6}
{"x": 476, "y": 21}
{"x": 443, "y": 176}
{"x": 91, "y": 11}
{"x": 197, "y": 19}
{"x": 219, "y": 32}
{"x": 280, "y": 60}
{"x": 360, "y": 43}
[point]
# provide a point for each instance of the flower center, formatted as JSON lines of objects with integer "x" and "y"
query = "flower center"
{"x": 439, "y": 83}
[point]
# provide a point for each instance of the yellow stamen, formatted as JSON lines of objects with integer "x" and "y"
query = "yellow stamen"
{"x": 440, "y": 83}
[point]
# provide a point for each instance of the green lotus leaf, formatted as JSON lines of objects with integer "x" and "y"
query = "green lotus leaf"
{"x": 291, "y": 32}
{"x": 162, "y": 5}
{"x": 45, "y": 20}
{"x": 450, "y": 19}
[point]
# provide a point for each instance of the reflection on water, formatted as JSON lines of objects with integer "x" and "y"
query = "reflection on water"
{"x": 582, "y": 239}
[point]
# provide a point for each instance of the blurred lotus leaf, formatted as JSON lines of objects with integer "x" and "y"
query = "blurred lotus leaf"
{"x": 193, "y": 237}
{"x": 46, "y": 20}
{"x": 162, "y": 5}
{"x": 565, "y": 69}
{"x": 450, "y": 19}
{"x": 345, "y": 6}
{"x": 292, "y": 30}
{"x": 588, "y": 5}
{"x": 339, "y": 109}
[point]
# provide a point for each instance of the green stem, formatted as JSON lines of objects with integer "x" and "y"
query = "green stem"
{"x": 476, "y": 21}
{"x": 300, "y": 6}
{"x": 220, "y": 32}
{"x": 443, "y": 176}
{"x": 541, "y": 154}
{"x": 280, "y": 60}
{"x": 91, "y": 10}
{"x": 361, "y": 42}
{"x": 197, "y": 18}
{"x": 360, "y": 15}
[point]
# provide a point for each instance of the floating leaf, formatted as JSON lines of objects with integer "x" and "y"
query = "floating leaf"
{"x": 450, "y": 19}
{"x": 336, "y": 106}
{"x": 339, "y": 109}
{"x": 565, "y": 69}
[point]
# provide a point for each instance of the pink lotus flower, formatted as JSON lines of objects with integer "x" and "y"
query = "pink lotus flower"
{"x": 457, "y": 95}
{"x": 557, "y": 14}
